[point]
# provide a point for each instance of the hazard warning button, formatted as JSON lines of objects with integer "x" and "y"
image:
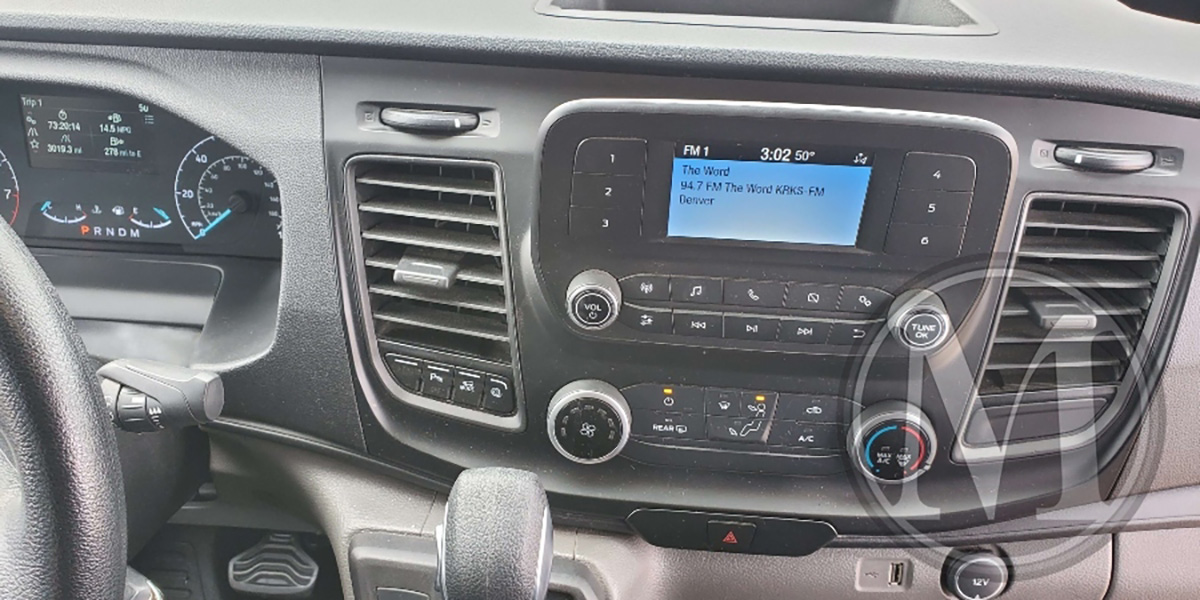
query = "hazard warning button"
{"x": 730, "y": 536}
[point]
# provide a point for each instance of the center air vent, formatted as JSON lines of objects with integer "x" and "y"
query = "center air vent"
{"x": 432, "y": 255}
{"x": 1077, "y": 314}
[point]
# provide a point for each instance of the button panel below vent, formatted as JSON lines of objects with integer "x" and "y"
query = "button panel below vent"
{"x": 432, "y": 260}
{"x": 1076, "y": 314}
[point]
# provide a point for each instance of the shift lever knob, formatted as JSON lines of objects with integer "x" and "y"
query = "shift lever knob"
{"x": 496, "y": 542}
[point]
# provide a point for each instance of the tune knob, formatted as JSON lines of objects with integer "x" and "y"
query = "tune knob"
{"x": 588, "y": 421}
{"x": 593, "y": 299}
{"x": 919, "y": 320}
{"x": 893, "y": 442}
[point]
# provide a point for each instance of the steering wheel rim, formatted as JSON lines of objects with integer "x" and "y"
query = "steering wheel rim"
{"x": 62, "y": 504}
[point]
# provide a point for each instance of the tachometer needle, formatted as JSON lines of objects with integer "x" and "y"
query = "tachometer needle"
{"x": 213, "y": 223}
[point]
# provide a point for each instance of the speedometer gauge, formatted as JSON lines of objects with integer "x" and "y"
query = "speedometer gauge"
{"x": 10, "y": 192}
{"x": 222, "y": 194}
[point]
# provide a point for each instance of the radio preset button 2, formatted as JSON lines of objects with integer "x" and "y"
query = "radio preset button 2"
{"x": 607, "y": 191}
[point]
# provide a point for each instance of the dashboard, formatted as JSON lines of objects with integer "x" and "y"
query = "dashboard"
{"x": 854, "y": 300}
{"x": 99, "y": 171}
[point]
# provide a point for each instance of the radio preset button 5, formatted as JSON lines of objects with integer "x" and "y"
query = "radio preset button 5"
{"x": 812, "y": 296}
{"x": 665, "y": 397}
{"x": 607, "y": 191}
{"x": 646, "y": 287}
{"x": 926, "y": 207}
{"x": 611, "y": 156}
{"x": 697, "y": 324}
{"x": 923, "y": 240}
{"x": 698, "y": 290}
{"x": 929, "y": 171}
{"x": 766, "y": 294}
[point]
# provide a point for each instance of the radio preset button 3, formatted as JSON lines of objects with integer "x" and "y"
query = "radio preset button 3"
{"x": 612, "y": 223}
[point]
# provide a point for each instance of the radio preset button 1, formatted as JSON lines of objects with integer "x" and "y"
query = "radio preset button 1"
{"x": 727, "y": 429}
{"x": 668, "y": 425}
{"x": 698, "y": 290}
{"x": 646, "y": 287}
{"x": 697, "y": 324}
{"x": 864, "y": 300}
{"x": 905, "y": 239}
{"x": 612, "y": 223}
{"x": 929, "y": 171}
{"x": 761, "y": 329}
{"x": 611, "y": 156}
{"x": 607, "y": 191}
{"x": 765, "y": 294}
{"x": 647, "y": 320}
{"x": 803, "y": 331}
{"x": 928, "y": 207}
{"x": 812, "y": 296}
{"x": 665, "y": 397}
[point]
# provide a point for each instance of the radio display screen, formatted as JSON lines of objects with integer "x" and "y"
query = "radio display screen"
{"x": 768, "y": 193}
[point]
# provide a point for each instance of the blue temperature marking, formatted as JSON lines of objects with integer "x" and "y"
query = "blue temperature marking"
{"x": 214, "y": 222}
{"x": 162, "y": 213}
{"x": 867, "y": 446}
{"x": 46, "y": 206}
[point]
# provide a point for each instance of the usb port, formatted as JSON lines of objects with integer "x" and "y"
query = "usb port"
{"x": 896, "y": 574}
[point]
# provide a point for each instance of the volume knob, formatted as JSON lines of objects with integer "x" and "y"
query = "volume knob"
{"x": 593, "y": 299}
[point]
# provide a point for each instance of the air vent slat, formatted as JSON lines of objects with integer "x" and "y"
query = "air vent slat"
{"x": 433, "y": 256}
{"x": 433, "y": 210}
{"x": 452, "y": 322}
{"x": 470, "y": 298}
{"x": 449, "y": 185}
{"x": 428, "y": 237}
{"x": 1078, "y": 258}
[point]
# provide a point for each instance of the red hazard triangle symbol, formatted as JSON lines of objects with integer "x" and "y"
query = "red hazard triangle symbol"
{"x": 729, "y": 538}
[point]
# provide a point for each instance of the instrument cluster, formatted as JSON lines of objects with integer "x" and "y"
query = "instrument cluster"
{"x": 103, "y": 171}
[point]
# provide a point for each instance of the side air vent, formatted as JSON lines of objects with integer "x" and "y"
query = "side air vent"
{"x": 432, "y": 255}
{"x": 1076, "y": 314}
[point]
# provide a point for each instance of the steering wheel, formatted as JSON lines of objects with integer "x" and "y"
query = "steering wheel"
{"x": 62, "y": 506}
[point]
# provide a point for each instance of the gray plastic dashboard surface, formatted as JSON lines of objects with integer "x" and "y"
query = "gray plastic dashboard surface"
{"x": 1095, "y": 49}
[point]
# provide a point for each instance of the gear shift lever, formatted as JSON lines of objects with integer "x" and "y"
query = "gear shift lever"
{"x": 496, "y": 542}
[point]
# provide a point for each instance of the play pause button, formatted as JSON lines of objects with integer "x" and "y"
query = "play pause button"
{"x": 730, "y": 536}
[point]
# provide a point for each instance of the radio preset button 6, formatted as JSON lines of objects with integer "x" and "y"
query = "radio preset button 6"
{"x": 648, "y": 320}
{"x": 673, "y": 398}
{"x": 812, "y": 296}
{"x": 923, "y": 240}
{"x": 764, "y": 294}
{"x": 763, "y": 329}
{"x": 864, "y": 300}
{"x": 929, "y": 171}
{"x": 646, "y": 287}
{"x": 607, "y": 191}
{"x": 926, "y": 207}
{"x": 697, "y": 324}
{"x": 698, "y": 290}
{"x": 611, "y": 156}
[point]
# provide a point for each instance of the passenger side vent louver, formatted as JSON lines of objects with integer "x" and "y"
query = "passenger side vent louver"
{"x": 1078, "y": 301}
{"x": 433, "y": 254}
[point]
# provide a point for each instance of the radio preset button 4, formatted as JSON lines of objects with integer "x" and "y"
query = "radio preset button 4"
{"x": 946, "y": 172}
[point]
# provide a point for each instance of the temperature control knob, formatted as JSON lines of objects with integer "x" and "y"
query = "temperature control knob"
{"x": 893, "y": 442}
{"x": 593, "y": 299}
{"x": 588, "y": 421}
